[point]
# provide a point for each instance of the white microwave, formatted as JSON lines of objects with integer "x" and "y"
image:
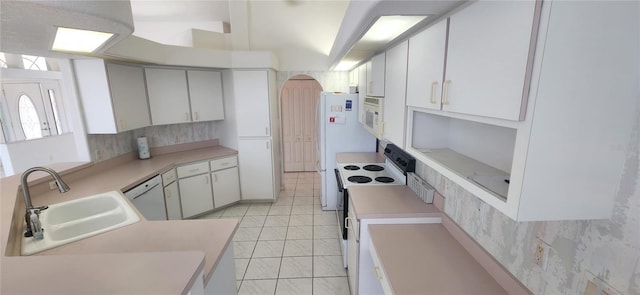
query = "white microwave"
{"x": 372, "y": 115}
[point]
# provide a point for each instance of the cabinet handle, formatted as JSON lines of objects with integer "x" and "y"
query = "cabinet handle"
{"x": 206, "y": 179}
{"x": 266, "y": 131}
{"x": 167, "y": 193}
{"x": 378, "y": 276}
{"x": 267, "y": 145}
{"x": 434, "y": 85}
{"x": 346, "y": 222}
{"x": 196, "y": 115}
{"x": 194, "y": 170}
{"x": 215, "y": 177}
{"x": 445, "y": 92}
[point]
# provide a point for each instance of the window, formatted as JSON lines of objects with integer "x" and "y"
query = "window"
{"x": 54, "y": 108}
{"x": 29, "y": 120}
{"x": 31, "y": 62}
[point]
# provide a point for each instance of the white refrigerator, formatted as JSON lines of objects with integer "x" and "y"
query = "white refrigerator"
{"x": 338, "y": 131}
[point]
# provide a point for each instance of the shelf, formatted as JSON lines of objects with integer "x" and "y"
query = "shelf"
{"x": 486, "y": 177}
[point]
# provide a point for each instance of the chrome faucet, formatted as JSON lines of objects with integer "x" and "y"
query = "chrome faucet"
{"x": 32, "y": 215}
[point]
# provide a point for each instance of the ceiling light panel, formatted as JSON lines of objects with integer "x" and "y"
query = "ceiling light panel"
{"x": 389, "y": 27}
{"x": 75, "y": 40}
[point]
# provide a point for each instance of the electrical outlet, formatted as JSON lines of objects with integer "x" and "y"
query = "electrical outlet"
{"x": 542, "y": 254}
{"x": 52, "y": 185}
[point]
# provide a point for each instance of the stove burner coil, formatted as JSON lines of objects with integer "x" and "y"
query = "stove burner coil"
{"x": 351, "y": 167}
{"x": 384, "y": 179}
{"x": 359, "y": 179}
{"x": 374, "y": 168}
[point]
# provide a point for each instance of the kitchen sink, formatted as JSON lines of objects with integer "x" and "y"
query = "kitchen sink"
{"x": 77, "y": 219}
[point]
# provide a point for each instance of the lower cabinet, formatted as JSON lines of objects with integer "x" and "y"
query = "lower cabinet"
{"x": 226, "y": 189}
{"x": 172, "y": 200}
{"x": 364, "y": 278}
{"x": 223, "y": 279}
{"x": 257, "y": 173}
{"x": 203, "y": 186}
{"x": 196, "y": 195}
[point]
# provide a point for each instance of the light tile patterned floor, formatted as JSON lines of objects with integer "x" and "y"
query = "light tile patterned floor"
{"x": 290, "y": 246}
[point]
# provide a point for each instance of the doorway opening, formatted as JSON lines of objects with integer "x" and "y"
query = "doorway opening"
{"x": 299, "y": 99}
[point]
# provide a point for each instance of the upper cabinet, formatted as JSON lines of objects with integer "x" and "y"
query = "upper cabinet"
{"x": 205, "y": 93}
{"x": 114, "y": 98}
{"x": 362, "y": 90}
{"x": 425, "y": 71}
{"x": 566, "y": 159}
{"x": 168, "y": 96}
{"x": 179, "y": 96}
{"x": 395, "y": 90}
{"x": 489, "y": 56}
{"x": 252, "y": 102}
{"x": 375, "y": 75}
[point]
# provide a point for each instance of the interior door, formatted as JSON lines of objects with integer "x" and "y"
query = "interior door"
{"x": 299, "y": 100}
{"x": 28, "y": 113}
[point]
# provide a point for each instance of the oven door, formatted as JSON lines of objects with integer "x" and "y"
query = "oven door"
{"x": 342, "y": 208}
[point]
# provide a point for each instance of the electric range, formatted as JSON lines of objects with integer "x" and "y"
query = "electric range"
{"x": 392, "y": 172}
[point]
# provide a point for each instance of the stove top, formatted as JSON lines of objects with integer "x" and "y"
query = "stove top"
{"x": 391, "y": 172}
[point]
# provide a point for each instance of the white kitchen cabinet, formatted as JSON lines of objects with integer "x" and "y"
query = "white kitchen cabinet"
{"x": 565, "y": 160}
{"x": 363, "y": 279}
{"x": 362, "y": 90}
{"x": 171, "y": 195}
{"x": 425, "y": 71}
{"x": 251, "y": 91}
{"x": 395, "y": 93}
{"x": 352, "y": 254}
{"x": 223, "y": 279}
{"x": 172, "y": 200}
{"x": 114, "y": 98}
{"x": 489, "y": 55}
{"x": 256, "y": 169}
{"x": 225, "y": 180}
{"x": 196, "y": 194}
{"x": 205, "y": 95}
{"x": 375, "y": 75}
{"x": 258, "y": 125}
{"x": 168, "y": 96}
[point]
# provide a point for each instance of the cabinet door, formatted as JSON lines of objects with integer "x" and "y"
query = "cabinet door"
{"x": 375, "y": 75}
{"x": 426, "y": 67}
{"x": 362, "y": 90}
{"x": 395, "y": 89}
{"x": 195, "y": 195}
{"x": 252, "y": 103}
{"x": 168, "y": 96}
{"x": 226, "y": 186}
{"x": 487, "y": 59}
{"x": 172, "y": 200}
{"x": 129, "y": 96}
{"x": 352, "y": 255}
{"x": 256, "y": 169}
{"x": 205, "y": 94}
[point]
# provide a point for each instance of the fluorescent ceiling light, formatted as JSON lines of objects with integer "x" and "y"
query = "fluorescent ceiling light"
{"x": 345, "y": 65}
{"x": 388, "y": 27}
{"x": 79, "y": 40}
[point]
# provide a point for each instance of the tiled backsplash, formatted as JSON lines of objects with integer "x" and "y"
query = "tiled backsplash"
{"x": 607, "y": 249}
{"x": 107, "y": 146}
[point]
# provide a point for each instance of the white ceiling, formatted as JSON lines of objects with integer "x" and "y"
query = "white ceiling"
{"x": 302, "y": 34}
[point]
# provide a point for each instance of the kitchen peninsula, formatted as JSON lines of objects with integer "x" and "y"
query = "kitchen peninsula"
{"x": 152, "y": 257}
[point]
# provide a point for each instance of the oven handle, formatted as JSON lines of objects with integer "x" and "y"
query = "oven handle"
{"x": 340, "y": 187}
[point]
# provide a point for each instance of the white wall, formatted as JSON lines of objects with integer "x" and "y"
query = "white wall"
{"x": 20, "y": 156}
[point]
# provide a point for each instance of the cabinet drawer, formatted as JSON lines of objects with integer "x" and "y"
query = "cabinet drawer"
{"x": 224, "y": 163}
{"x": 169, "y": 177}
{"x": 193, "y": 169}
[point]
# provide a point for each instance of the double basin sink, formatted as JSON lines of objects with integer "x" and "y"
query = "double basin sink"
{"x": 77, "y": 219}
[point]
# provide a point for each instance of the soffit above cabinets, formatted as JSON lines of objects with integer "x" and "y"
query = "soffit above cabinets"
{"x": 29, "y": 27}
{"x": 361, "y": 15}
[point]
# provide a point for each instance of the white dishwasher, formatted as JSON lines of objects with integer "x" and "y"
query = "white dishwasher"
{"x": 148, "y": 198}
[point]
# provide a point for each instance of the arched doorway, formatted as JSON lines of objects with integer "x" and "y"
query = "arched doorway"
{"x": 299, "y": 98}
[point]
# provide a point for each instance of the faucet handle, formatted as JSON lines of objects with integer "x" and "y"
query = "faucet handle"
{"x": 40, "y": 209}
